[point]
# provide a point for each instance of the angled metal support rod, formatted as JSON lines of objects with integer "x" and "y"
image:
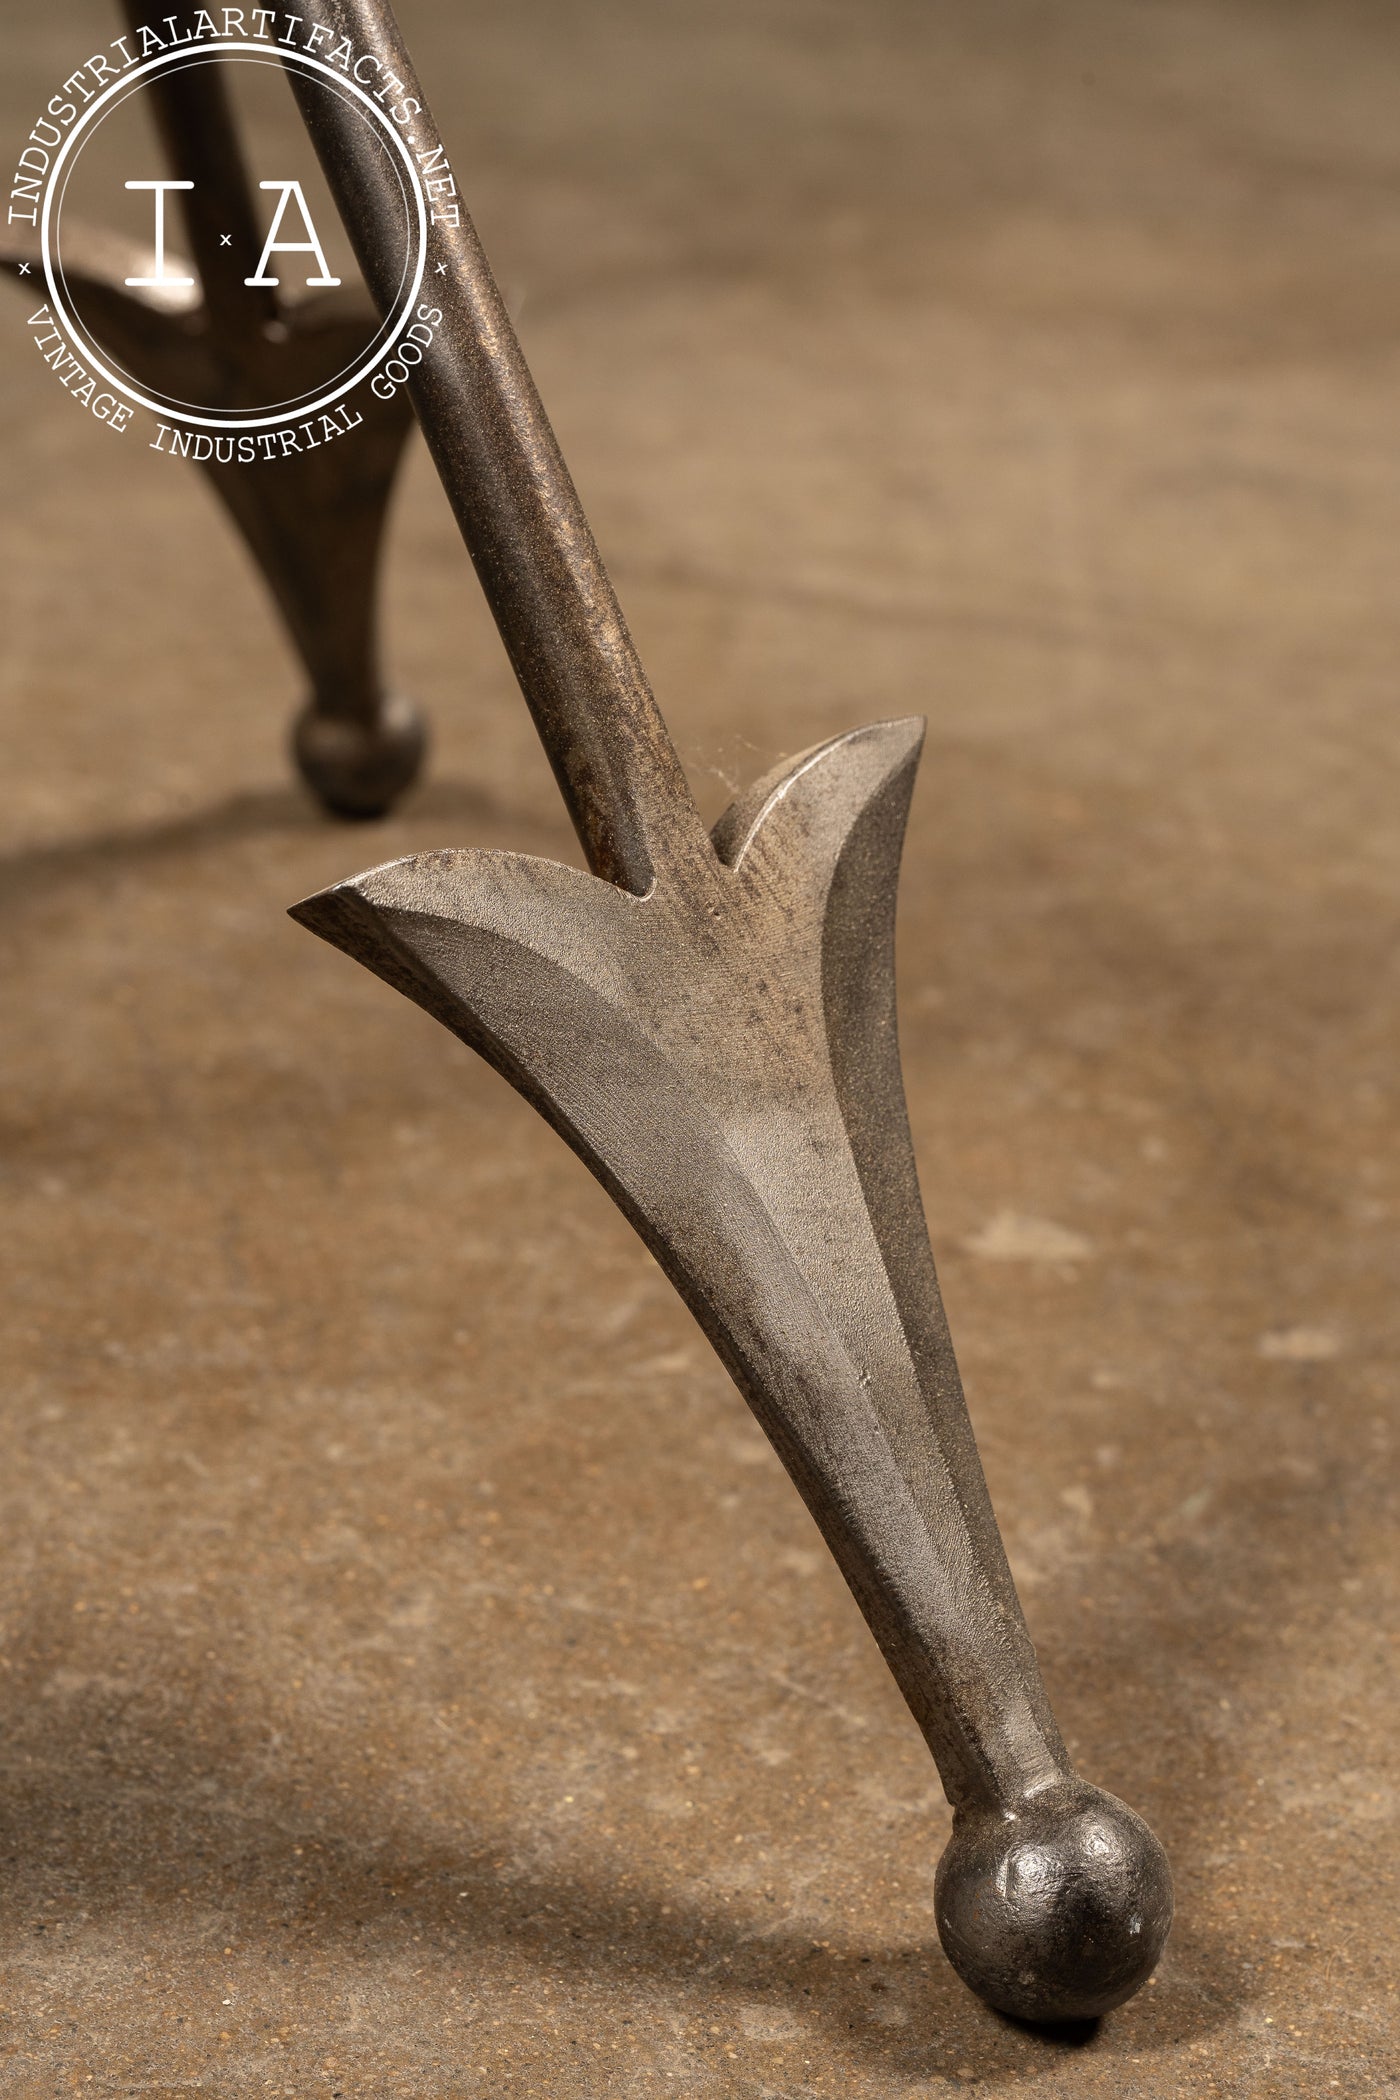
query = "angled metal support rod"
{"x": 709, "y": 1022}
{"x": 313, "y": 522}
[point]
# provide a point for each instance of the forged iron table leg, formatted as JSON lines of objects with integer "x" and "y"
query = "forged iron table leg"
{"x": 313, "y": 522}
{"x": 709, "y": 1021}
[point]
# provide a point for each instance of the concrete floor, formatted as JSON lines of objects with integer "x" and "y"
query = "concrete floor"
{"x": 418, "y": 1677}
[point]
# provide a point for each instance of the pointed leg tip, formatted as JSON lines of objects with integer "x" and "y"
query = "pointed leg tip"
{"x": 915, "y": 727}
{"x": 324, "y": 911}
{"x": 304, "y": 911}
{"x": 899, "y": 735}
{"x": 911, "y": 730}
{"x": 904, "y": 741}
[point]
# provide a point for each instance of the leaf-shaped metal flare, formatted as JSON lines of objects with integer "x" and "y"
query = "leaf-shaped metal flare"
{"x": 709, "y": 1021}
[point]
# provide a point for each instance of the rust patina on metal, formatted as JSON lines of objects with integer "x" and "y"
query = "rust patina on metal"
{"x": 313, "y": 521}
{"x": 709, "y": 1020}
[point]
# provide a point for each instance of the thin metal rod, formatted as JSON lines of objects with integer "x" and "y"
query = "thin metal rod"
{"x": 510, "y": 490}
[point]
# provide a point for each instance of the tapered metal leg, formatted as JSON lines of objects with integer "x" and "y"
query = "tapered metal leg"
{"x": 313, "y": 522}
{"x": 709, "y": 1020}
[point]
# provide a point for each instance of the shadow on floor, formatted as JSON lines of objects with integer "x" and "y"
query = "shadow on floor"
{"x": 125, "y": 1803}
{"x": 255, "y": 813}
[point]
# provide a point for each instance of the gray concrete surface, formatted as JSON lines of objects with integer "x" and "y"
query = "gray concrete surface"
{"x": 418, "y": 1678}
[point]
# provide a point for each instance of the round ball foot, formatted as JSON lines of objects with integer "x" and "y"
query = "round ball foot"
{"x": 359, "y": 769}
{"x": 1058, "y": 1909}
